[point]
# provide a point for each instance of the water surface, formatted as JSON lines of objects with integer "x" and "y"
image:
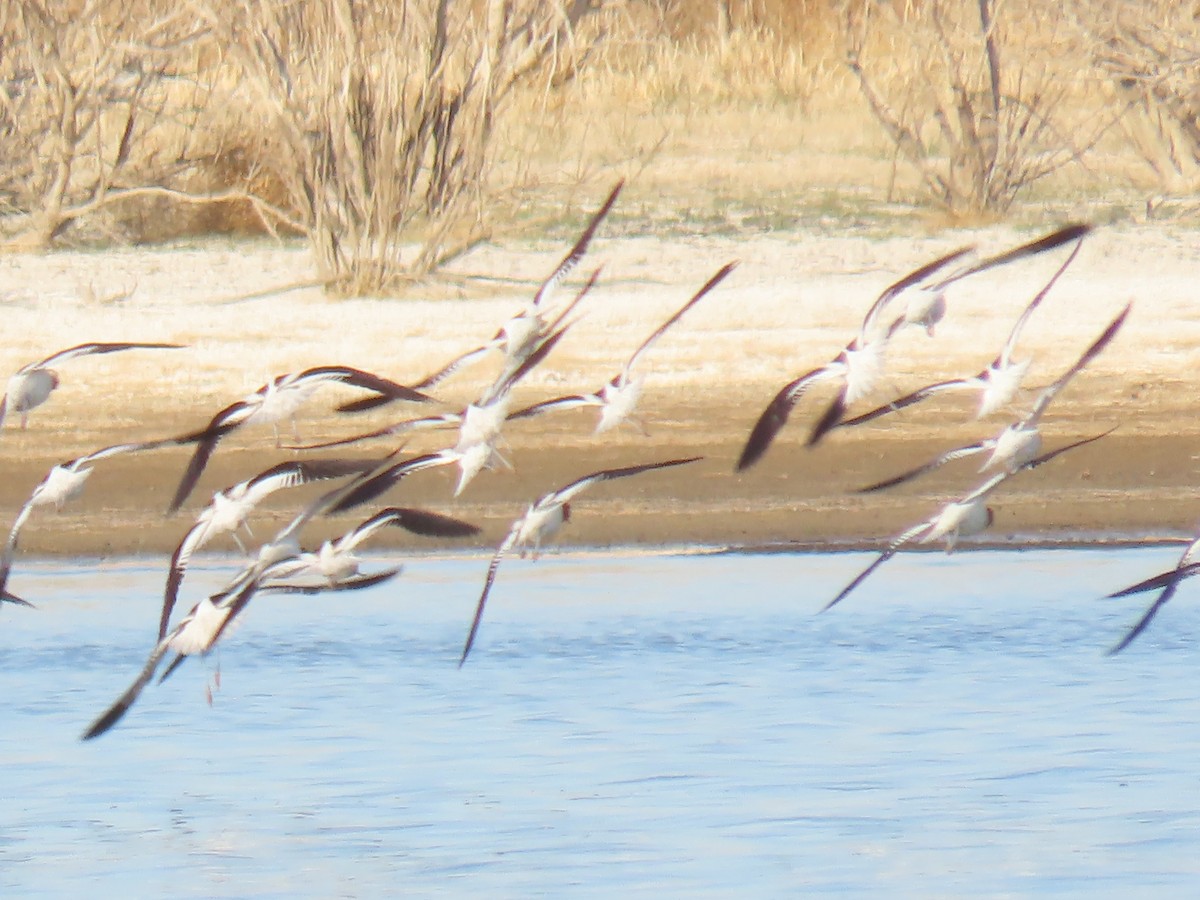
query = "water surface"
{"x": 642, "y": 725}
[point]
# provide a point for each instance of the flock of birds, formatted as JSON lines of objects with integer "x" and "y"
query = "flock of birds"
{"x": 282, "y": 564}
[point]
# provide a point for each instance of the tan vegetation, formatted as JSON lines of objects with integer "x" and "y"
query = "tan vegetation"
{"x": 392, "y": 135}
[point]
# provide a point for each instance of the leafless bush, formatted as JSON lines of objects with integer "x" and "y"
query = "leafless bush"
{"x": 973, "y": 94}
{"x": 380, "y": 117}
{"x": 96, "y": 101}
{"x": 1150, "y": 52}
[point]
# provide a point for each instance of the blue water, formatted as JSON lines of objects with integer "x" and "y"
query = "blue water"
{"x": 627, "y": 725}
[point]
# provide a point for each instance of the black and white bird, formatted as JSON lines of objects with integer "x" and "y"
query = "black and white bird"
{"x": 335, "y": 561}
{"x": 63, "y": 483}
{"x": 479, "y": 423}
{"x": 966, "y": 516}
{"x": 33, "y": 384}
{"x": 1166, "y": 583}
{"x": 860, "y": 364}
{"x": 277, "y": 400}
{"x": 857, "y": 366}
{"x": 618, "y": 398}
{"x": 543, "y": 520}
{"x": 230, "y": 511}
{"x": 997, "y": 384}
{"x": 1020, "y": 441}
{"x": 210, "y": 619}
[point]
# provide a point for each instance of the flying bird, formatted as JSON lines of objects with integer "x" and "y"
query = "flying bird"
{"x": 62, "y": 484}
{"x": 33, "y": 384}
{"x": 967, "y": 516}
{"x": 335, "y": 561}
{"x": 617, "y": 399}
{"x": 1168, "y": 582}
{"x": 542, "y": 521}
{"x": 857, "y": 366}
{"x": 200, "y": 630}
{"x": 231, "y": 507}
{"x": 997, "y": 384}
{"x": 276, "y": 400}
{"x": 1020, "y": 441}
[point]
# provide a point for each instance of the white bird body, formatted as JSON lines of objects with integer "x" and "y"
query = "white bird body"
{"x": 1016, "y": 446}
{"x": 64, "y": 483}
{"x": 33, "y": 383}
{"x": 27, "y": 390}
{"x": 618, "y": 399}
{"x": 1000, "y": 384}
{"x": 962, "y": 518}
{"x": 200, "y": 628}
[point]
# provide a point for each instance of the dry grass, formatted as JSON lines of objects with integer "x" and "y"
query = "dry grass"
{"x": 730, "y": 116}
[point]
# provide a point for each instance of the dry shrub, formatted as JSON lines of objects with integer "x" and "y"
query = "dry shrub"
{"x": 96, "y": 98}
{"x": 379, "y": 118}
{"x": 1149, "y": 51}
{"x": 979, "y": 97}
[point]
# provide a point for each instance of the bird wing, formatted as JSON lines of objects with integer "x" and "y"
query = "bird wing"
{"x": 1179, "y": 573}
{"x": 225, "y": 421}
{"x": 775, "y": 416}
{"x": 696, "y": 298}
{"x": 830, "y": 419}
{"x": 505, "y": 546}
{"x": 10, "y": 546}
{"x": 890, "y": 551}
{"x": 1006, "y": 353}
{"x": 573, "y": 401}
{"x": 1168, "y": 591}
{"x": 894, "y": 290}
{"x": 576, "y": 253}
{"x": 1047, "y": 242}
{"x": 191, "y": 542}
{"x": 371, "y": 486}
{"x": 932, "y": 465}
{"x": 418, "y": 521}
{"x": 451, "y": 367}
{"x": 909, "y": 399}
{"x": 1046, "y": 457}
{"x": 1088, "y": 355}
{"x": 567, "y": 492}
{"x": 114, "y": 713}
{"x": 440, "y": 421}
{"x": 92, "y": 349}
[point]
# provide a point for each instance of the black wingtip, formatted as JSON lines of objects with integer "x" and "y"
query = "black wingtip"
{"x": 829, "y": 420}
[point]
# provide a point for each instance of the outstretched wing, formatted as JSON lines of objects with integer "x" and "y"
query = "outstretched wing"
{"x": 95, "y": 349}
{"x": 505, "y": 546}
{"x": 696, "y": 298}
{"x": 1005, "y": 356}
{"x": 206, "y": 441}
{"x": 368, "y": 488}
{"x": 909, "y": 399}
{"x": 573, "y": 401}
{"x": 418, "y": 521}
{"x": 883, "y": 557}
{"x": 1158, "y": 581}
{"x": 567, "y": 492}
{"x": 182, "y": 555}
{"x": 775, "y": 416}
{"x": 932, "y": 465}
{"x": 114, "y": 713}
{"x": 576, "y": 253}
{"x": 1088, "y": 355}
{"x": 1043, "y": 244}
{"x": 1148, "y": 616}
